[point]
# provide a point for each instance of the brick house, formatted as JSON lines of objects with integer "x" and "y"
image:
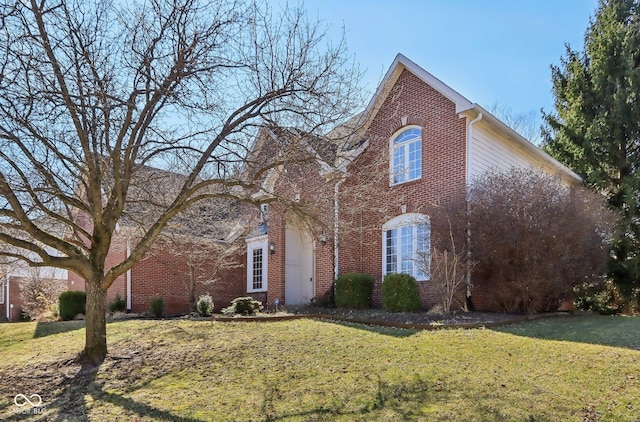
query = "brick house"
{"x": 13, "y": 275}
{"x": 419, "y": 142}
{"x": 372, "y": 190}
{"x": 195, "y": 255}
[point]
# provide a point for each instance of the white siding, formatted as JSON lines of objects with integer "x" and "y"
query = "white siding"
{"x": 490, "y": 151}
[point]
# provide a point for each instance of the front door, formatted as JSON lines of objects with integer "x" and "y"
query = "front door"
{"x": 299, "y": 277}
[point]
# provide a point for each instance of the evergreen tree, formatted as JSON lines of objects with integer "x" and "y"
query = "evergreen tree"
{"x": 596, "y": 125}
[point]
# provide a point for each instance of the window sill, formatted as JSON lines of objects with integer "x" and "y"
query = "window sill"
{"x": 405, "y": 182}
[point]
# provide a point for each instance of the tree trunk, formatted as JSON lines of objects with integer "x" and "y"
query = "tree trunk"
{"x": 95, "y": 348}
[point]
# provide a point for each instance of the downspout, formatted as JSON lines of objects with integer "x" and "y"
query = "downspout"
{"x": 469, "y": 139}
{"x": 128, "y": 277}
{"x": 7, "y": 301}
{"x": 336, "y": 224}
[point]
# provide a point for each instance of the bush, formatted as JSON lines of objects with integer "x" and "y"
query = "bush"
{"x": 533, "y": 238}
{"x": 119, "y": 304}
{"x": 72, "y": 303}
{"x": 354, "y": 291}
{"x": 205, "y": 305}
{"x": 448, "y": 276}
{"x": 23, "y": 316}
{"x": 400, "y": 293}
{"x": 156, "y": 306}
{"x": 243, "y": 306}
{"x": 38, "y": 294}
{"x": 603, "y": 298}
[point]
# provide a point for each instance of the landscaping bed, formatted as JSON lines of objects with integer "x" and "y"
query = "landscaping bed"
{"x": 416, "y": 320}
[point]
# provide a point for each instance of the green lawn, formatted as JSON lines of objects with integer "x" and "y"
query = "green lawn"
{"x": 581, "y": 368}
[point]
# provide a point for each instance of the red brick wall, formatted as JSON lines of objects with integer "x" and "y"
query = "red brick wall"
{"x": 117, "y": 254}
{"x": 443, "y": 174}
{"x": 12, "y": 299}
{"x": 164, "y": 274}
{"x": 15, "y": 298}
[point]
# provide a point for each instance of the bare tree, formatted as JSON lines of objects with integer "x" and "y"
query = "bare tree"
{"x": 526, "y": 123}
{"x": 95, "y": 91}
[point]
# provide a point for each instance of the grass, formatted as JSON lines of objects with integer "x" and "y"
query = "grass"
{"x": 582, "y": 368}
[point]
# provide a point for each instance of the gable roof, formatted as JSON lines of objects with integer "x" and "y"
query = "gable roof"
{"x": 464, "y": 108}
{"x": 152, "y": 189}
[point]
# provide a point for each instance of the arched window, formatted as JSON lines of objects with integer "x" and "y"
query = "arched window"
{"x": 406, "y": 155}
{"x": 406, "y": 246}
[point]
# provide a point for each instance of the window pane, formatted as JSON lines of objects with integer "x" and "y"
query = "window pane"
{"x": 408, "y": 135}
{"x": 406, "y": 248}
{"x": 415, "y": 160}
{"x": 391, "y": 251}
{"x": 257, "y": 269}
{"x": 398, "y": 164}
{"x": 423, "y": 250}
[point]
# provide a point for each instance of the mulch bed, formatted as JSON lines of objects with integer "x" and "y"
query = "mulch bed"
{"x": 409, "y": 320}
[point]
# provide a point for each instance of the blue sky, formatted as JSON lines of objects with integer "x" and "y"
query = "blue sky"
{"x": 487, "y": 50}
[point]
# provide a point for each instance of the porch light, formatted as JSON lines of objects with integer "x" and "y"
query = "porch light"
{"x": 323, "y": 239}
{"x": 272, "y": 248}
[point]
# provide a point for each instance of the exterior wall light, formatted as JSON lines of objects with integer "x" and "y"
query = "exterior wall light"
{"x": 323, "y": 239}
{"x": 272, "y": 248}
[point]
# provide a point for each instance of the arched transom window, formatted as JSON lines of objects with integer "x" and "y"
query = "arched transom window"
{"x": 406, "y": 155}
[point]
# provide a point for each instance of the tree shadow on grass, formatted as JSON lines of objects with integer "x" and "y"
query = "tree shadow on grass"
{"x": 71, "y": 395}
{"x": 399, "y": 401}
{"x": 617, "y": 331}
{"x": 44, "y": 329}
{"x": 378, "y": 329}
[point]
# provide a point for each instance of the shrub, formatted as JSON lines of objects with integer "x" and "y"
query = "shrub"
{"x": 119, "y": 304}
{"x": 72, "y": 303}
{"x": 39, "y": 294}
{"x": 549, "y": 238}
{"x": 23, "y": 316}
{"x": 448, "y": 276}
{"x": 156, "y": 306}
{"x": 243, "y": 306}
{"x": 205, "y": 305}
{"x": 533, "y": 238}
{"x": 603, "y": 298}
{"x": 354, "y": 290}
{"x": 400, "y": 293}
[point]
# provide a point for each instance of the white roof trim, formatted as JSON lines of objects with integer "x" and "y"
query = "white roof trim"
{"x": 400, "y": 63}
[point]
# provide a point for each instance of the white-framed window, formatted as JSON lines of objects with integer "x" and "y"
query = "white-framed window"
{"x": 406, "y": 246}
{"x": 3, "y": 287}
{"x": 257, "y": 250}
{"x": 406, "y": 155}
